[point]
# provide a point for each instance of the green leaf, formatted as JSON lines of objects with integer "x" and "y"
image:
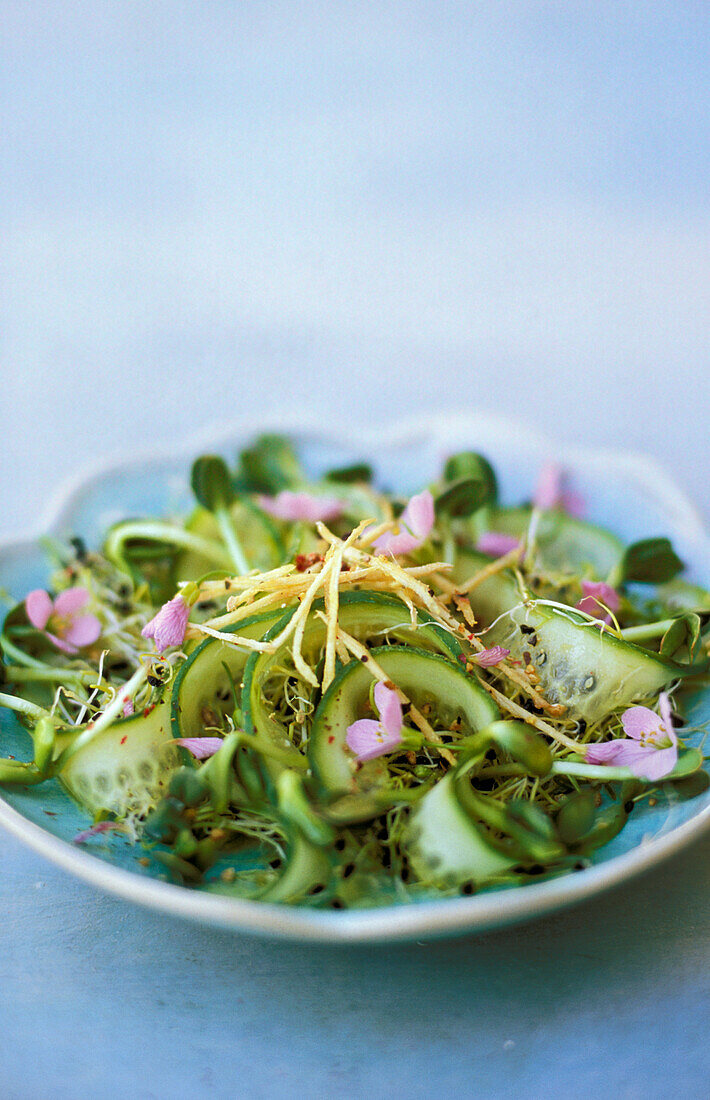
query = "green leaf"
{"x": 650, "y": 561}
{"x": 680, "y": 642}
{"x": 270, "y": 466}
{"x": 468, "y": 464}
{"x": 463, "y": 497}
{"x": 211, "y": 482}
{"x": 346, "y": 475}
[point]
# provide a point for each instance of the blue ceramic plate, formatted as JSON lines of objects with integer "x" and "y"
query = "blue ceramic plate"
{"x": 628, "y": 494}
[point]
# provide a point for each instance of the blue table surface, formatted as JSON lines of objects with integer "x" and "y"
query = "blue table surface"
{"x": 100, "y": 998}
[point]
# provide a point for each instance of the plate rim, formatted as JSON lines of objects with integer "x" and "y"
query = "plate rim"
{"x": 430, "y": 918}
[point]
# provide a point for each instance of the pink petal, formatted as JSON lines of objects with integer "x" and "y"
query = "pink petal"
{"x": 301, "y": 506}
{"x": 624, "y": 753}
{"x": 368, "y": 739}
{"x": 128, "y": 708}
{"x": 548, "y": 491}
{"x": 38, "y": 606}
{"x": 169, "y": 625}
{"x": 656, "y": 763}
{"x": 84, "y": 630}
{"x": 415, "y": 524}
{"x": 95, "y": 830}
{"x": 70, "y": 601}
{"x": 496, "y": 544}
{"x": 640, "y": 721}
{"x": 664, "y": 705}
{"x": 605, "y": 754}
{"x": 487, "y": 658}
{"x": 573, "y": 504}
{"x": 66, "y": 647}
{"x": 389, "y": 709}
{"x": 200, "y": 747}
{"x": 418, "y": 516}
{"x": 591, "y": 607}
{"x": 600, "y": 590}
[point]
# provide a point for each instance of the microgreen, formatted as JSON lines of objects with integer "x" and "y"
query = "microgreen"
{"x": 650, "y": 561}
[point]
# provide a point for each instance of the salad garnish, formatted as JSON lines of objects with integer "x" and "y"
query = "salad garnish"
{"x": 312, "y": 691}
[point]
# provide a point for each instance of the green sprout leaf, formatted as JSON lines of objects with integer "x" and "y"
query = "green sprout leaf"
{"x": 650, "y": 561}
{"x": 346, "y": 475}
{"x": 680, "y": 642}
{"x": 462, "y": 498}
{"x": 468, "y": 464}
{"x": 211, "y": 482}
{"x": 270, "y": 466}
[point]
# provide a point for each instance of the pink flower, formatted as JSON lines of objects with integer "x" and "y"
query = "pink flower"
{"x": 169, "y": 625}
{"x": 487, "y": 658}
{"x": 96, "y": 830}
{"x": 68, "y": 630}
{"x": 415, "y": 523}
{"x": 368, "y": 738}
{"x": 597, "y": 597}
{"x": 651, "y": 749}
{"x": 295, "y": 506}
{"x": 200, "y": 747}
{"x": 496, "y": 544}
{"x": 550, "y": 492}
{"x": 127, "y": 708}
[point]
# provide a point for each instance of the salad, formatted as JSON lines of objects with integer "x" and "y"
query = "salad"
{"x": 316, "y": 691}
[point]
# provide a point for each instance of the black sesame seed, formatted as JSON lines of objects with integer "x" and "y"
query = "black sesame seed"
{"x": 629, "y": 805}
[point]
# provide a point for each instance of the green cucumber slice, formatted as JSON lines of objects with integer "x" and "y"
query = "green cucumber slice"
{"x": 589, "y": 671}
{"x": 127, "y": 767}
{"x": 359, "y": 791}
{"x": 203, "y": 683}
{"x": 367, "y": 616}
{"x": 444, "y": 845}
{"x": 564, "y": 543}
{"x": 257, "y": 533}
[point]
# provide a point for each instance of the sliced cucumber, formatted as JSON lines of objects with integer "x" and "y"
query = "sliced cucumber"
{"x": 368, "y": 616}
{"x": 307, "y": 869}
{"x": 202, "y": 693}
{"x": 360, "y": 791}
{"x": 257, "y": 534}
{"x": 127, "y": 767}
{"x": 564, "y": 543}
{"x": 445, "y": 846}
{"x": 589, "y": 671}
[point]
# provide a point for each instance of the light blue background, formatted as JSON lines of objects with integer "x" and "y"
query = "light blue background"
{"x": 364, "y": 210}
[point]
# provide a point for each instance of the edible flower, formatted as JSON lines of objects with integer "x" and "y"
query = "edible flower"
{"x": 369, "y": 738}
{"x": 487, "y": 658}
{"x": 168, "y": 627}
{"x": 650, "y": 750}
{"x": 551, "y": 493}
{"x": 496, "y": 544}
{"x": 598, "y": 597}
{"x": 200, "y": 747}
{"x": 60, "y": 620}
{"x": 301, "y": 506}
{"x": 415, "y": 523}
{"x": 97, "y": 829}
